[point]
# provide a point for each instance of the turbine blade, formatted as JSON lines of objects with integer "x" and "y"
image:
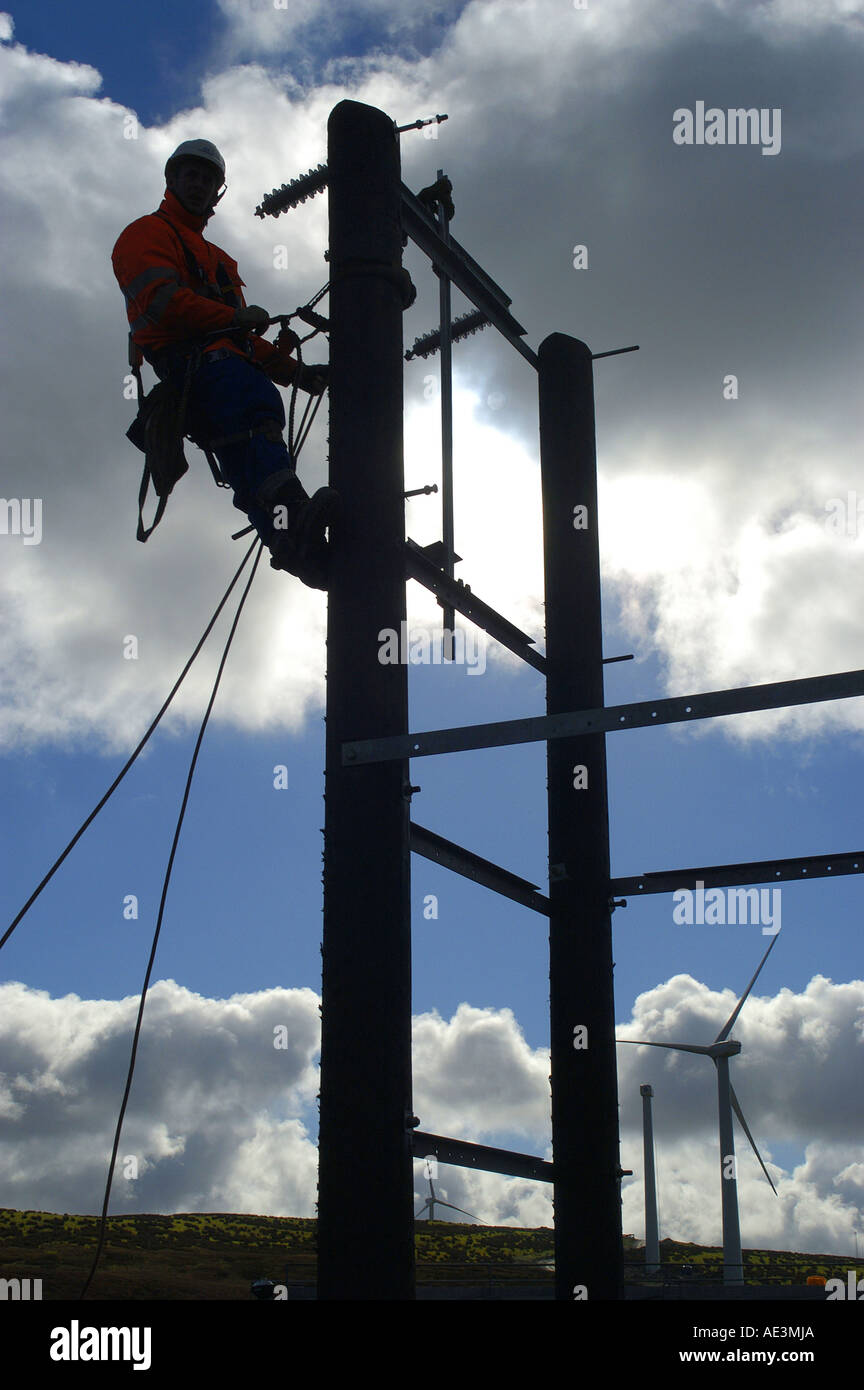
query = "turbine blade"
{"x": 676, "y": 1047}
{"x": 463, "y": 1211}
{"x": 743, "y": 1123}
{"x": 729, "y": 1024}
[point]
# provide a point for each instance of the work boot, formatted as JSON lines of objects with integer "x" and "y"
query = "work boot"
{"x": 299, "y": 544}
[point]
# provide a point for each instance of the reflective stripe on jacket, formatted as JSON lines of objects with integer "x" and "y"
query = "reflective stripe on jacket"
{"x": 180, "y": 288}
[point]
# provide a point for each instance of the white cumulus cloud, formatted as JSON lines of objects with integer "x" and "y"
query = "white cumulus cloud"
{"x": 220, "y": 1119}
{"x": 717, "y": 556}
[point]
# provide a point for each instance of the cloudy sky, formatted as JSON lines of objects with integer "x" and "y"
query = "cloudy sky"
{"x": 732, "y": 536}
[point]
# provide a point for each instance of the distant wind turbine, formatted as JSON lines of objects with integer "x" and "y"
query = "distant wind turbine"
{"x": 722, "y": 1048}
{"x": 432, "y": 1202}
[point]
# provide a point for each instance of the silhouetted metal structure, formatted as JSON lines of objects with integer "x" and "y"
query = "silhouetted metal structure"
{"x": 368, "y": 1131}
{"x": 588, "y": 1255}
{"x": 366, "y": 1248}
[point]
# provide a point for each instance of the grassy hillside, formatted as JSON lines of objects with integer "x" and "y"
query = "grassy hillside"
{"x": 686, "y": 1263}
{"x": 216, "y": 1256}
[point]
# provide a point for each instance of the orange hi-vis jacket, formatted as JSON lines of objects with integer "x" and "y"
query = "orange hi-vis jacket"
{"x": 169, "y": 304}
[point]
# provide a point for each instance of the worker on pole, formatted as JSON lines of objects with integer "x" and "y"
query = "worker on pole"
{"x": 188, "y": 319}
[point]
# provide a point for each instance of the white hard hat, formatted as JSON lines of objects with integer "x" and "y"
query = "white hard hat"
{"x": 198, "y": 149}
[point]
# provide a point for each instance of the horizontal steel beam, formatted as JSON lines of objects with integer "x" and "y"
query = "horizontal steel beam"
{"x": 614, "y": 352}
{"x": 480, "y": 1156}
{"x": 458, "y": 266}
{"x": 453, "y": 594}
{"x": 421, "y": 216}
{"x": 682, "y": 708}
{"x": 470, "y": 865}
{"x": 760, "y": 871}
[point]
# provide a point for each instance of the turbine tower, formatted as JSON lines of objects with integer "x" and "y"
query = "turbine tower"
{"x": 722, "y": 1048}
{"x": 652, "y": 1234}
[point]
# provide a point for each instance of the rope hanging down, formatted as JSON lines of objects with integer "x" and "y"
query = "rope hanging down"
{"x": 294, "y": 451}
{"x": 119, "y": 778}
{"x": 162, "y": 901}
{"x": 319, "y": 325}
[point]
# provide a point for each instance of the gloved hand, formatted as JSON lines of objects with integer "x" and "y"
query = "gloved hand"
{"x": 281, "y": 369}
{"x": 313, "y": 377}
{"x": 287, "y": 340}
{"x": 280, "y": 366}
{"x": 253, "y": 318}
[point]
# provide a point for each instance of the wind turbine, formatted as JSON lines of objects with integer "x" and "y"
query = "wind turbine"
{"x": 722, "y": 1048}
{"x": 432, "y": 1202}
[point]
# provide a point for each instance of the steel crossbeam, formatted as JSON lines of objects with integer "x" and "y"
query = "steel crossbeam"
{"x": 464, "y": 271}
{"x": 759, "y": 871}
{"x": 470, "y": 865}
{"x": 680, "y": 709}
{"x": 452, "y": 593}
{"x": 481, "y": 1156}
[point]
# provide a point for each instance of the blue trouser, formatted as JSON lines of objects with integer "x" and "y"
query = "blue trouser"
{"x": 226, "y": 397}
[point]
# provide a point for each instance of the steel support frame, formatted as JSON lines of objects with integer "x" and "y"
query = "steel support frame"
{"x": 585, "y": 1143}
{"x": 446, "y": 379}
{"x": 481, "y": 1157}
{"x": 366, "y": 1071}
{"x": 678, "y": 709}
{"x": 469, "y": 865}
{"x": 796, "y": 870}
{"x": 459, "y": 267}
{"x": 365, "y": 1245}
{"x": 509, "y": 885}
{"x": 453, "y": 594}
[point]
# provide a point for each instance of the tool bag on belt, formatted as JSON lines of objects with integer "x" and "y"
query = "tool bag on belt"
{"x": 158, "y": 431}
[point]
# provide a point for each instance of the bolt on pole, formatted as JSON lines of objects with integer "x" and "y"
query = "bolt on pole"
{"x": 365, "y": 1184}
{"x": 588, "y": 1257}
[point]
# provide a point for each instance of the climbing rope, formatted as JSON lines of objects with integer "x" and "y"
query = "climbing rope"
{"x": 294, "y": 450}
{"x": 162, "y": 901}
{"x": 119, "y": 778}
{"x": 319, "y": 324}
